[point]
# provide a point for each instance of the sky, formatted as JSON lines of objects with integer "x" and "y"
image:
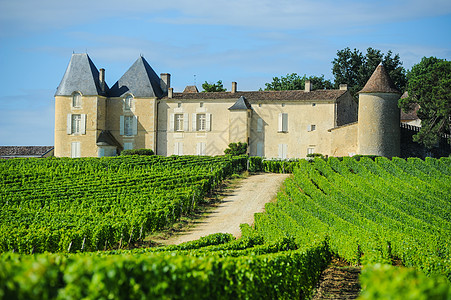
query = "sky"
{"x": 246, "y": 41}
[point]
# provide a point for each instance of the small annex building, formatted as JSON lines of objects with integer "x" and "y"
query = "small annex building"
{"x": 141, "y": 110}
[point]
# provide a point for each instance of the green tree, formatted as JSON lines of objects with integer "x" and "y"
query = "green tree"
{"x": 354, "y": 69}
{"x": 236, "y": 149}
{"x": 295, "y": 82}
{"x": 429, "y": 85}
{"x": 213, "y": 87}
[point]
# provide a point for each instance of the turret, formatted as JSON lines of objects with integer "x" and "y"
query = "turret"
{"x": 379, "y": 116}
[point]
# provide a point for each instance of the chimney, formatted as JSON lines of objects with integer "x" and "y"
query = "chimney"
{"x": 343, "y": 87}
{"x": 170, "y": 93}
{"x": 165, "y": 81}
{"x": 308, "y": 86}
{"x": 233, "y": 87}
{"x": 102, "y": 80}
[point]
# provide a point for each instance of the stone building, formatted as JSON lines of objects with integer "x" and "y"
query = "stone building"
{"x": 141, "y": 110}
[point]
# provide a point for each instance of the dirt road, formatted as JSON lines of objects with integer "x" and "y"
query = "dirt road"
{"x": 236, "y": 208}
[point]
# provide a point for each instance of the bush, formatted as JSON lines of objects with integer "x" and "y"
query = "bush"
{"x": 236, "y": 149}
{"x": 319, "y": 155}
{"x": 138, "y": 152}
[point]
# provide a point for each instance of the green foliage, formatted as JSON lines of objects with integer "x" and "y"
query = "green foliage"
{"x": 138, "y": 152}
{"x": 236, "y": 149}
{"x": 354, "y": 69}
{"x": 389, "y": 282}
{"x": 319, "y": 155}
{"x": 65, "y": 205}
{"x": 289, "y": 274}
{"x": 213, "y": 87}
{"x": 295, "y": 82}
{"x": 372, "y": 210}
{"x": 429, "y": 85}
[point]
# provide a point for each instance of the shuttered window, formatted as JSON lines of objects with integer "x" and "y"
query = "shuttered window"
{"x": 283, "y": 122}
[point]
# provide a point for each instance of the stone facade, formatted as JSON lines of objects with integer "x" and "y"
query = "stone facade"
{"x": 141, "y": 110}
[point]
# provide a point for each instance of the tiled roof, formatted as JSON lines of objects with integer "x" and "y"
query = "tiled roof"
{"x": 81, "y": 75}
{"x": 191, "y": 89}
{"x": 24, "y": 151}
{"x": 379, "y": 82}
{"x": 140, "y": 80}
{"x": 241, "y": 104}
{"x": 301, "y": 95}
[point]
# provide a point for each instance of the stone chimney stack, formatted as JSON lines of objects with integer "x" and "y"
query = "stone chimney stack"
{"x": 234, "y": 87}
{"x": 170, "y": 93}
{"x": 165, "y": 82}
{"x": 343, "y": 87}
{"x": 308, "y": 86}
{"x": 102, "y": 79}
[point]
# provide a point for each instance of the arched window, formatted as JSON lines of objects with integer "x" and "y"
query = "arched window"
{"x": 128, "y": 102}
{"x": 76, "y": 100}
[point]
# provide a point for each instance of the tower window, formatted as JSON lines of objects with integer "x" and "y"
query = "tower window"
{"x": 128, "y": 102}
{"x": 76, "y": 100}
{"x": 76, "y": 124}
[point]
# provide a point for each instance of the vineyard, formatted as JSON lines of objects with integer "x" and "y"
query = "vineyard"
{"x": 66, "y": 205}
{"x": 375, "y": 213}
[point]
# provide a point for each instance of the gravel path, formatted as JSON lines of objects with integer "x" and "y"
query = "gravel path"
{"x": 236, "y": 208}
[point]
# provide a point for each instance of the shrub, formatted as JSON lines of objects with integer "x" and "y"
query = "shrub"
{"x": 236, "y": 149}
{"x": 138, "y": 152}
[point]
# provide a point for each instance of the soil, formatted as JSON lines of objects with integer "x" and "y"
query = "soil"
{"x": 338, "y": 281}
{"x": 236, "y": 206}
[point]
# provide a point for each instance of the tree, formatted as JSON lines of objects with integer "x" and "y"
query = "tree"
{"x": 236, "y": 149}
{"x": 429, "y": 85}
{"x": 354, "y": 69}
{"x": 296, "y": 82}
{"x": 213, "y": 87}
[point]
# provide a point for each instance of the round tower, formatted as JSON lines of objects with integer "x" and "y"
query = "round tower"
{"x": 379, "y": 116}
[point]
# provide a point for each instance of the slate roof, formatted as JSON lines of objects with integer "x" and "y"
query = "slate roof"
{"x": 241, "y": 104}
{"x": 24, "y": 151}
{"x": 294, "y": 95}
{"x": 107, "y": 139}
{"x": 140, "y": 80}
{"x": 81, "y": 75}
{"x": 380, "y": 82}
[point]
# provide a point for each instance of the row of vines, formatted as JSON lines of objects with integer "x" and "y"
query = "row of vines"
{"x": 67, "y": 205}
{"x": 372, "y": 211}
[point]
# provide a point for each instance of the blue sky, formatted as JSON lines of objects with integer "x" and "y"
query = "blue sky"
{"x": 247, "y": 41}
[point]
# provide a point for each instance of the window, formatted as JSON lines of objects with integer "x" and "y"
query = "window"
{"x": 201, "y": 148}
{"x": 260, "y": 149}
{"x": 178, "y": 148}
{"x": 178, "y": 122}
{"x": 283, "y": 151}
{"x": 201, "y": 104}
{"x": 128, "y": 146}
{"x": 283, "y": 104}
{"x": 128, "y": 125}
{"x": 75, "y": 150}
{"x": 310, "y": 150}
{"x": 283, "y": 122}
{"x": 259, "y": 125}
{"x": 311, "y": 127}
{"x": 128, "y": 102}
{"x": 179, "y": 104}
{"x": 76, "y": 124}
{"x": 201, "y": 122}
{"x": 313, "y": 104}
{"x": 76, "y": 100}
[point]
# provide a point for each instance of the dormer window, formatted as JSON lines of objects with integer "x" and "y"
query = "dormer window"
{"x": 128, "y": 102}
{"x": 76, "y": 100}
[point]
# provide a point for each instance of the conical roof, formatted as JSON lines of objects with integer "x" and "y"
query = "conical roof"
{"x": 241, "y": 104}
{"x": 380, "y": 82}
{"x": 140, "y": 80}
{"x": 81, "y": 75}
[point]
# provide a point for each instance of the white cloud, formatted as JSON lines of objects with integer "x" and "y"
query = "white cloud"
{"x": 31, "y": 15}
